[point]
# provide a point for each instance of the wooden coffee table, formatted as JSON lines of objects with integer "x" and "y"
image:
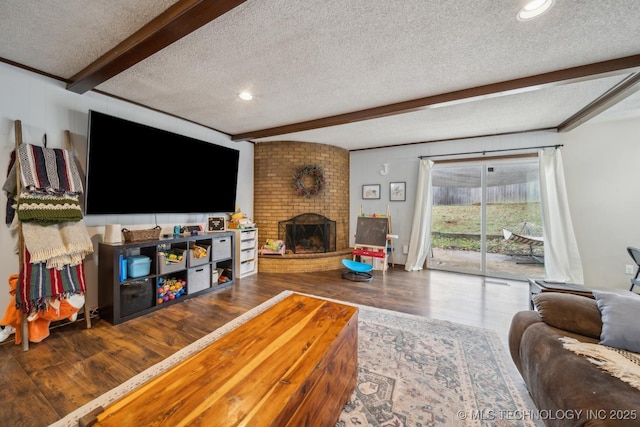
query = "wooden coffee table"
{"x": 539, "y": 286}
{"x": 292, "y": 365}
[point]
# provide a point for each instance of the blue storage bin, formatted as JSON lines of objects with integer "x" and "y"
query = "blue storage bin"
{"x": 138, "y": 265}
{"x": 123, "y": 268}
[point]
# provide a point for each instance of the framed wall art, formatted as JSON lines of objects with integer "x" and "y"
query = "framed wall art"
{"x": 397, "y": 191}
{"x": 371, "y": 191}
{"x": 216, "y": 223}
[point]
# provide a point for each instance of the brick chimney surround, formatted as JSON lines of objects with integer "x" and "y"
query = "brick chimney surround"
{"x": 275, "y": 199}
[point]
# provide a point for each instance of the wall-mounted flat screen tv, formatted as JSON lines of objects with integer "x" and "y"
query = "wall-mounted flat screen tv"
{"x": 137, "y": 169}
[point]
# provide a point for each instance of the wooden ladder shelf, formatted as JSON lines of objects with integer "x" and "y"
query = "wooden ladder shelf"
{"x": 24, "y": 323}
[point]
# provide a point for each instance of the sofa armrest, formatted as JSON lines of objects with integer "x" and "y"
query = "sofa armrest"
{"x": 573, "y": 313}
{"x": 519, "y": 323}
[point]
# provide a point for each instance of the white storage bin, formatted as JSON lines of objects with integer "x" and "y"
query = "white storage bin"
{"x": 247, "y": 267}
{"x": 247, "y": 244}
{"x": 248, "y": 235}
{"x": 247, "y": 255}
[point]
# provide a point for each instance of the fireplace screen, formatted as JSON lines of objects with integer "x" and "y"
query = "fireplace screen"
{"x": 308, "y": 233}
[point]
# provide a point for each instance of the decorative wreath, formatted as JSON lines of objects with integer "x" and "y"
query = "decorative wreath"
{"x": 314, "y": 171}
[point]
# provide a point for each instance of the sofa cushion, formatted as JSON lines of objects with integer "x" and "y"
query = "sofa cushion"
{"x": 620, "y": 328}
{"x": 573, "y": 313}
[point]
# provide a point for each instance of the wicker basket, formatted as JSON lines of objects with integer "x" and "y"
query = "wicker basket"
{"x": 141, "y": 235}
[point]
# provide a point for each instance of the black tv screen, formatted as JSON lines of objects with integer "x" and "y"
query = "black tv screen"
{"x": 137, "y": 169}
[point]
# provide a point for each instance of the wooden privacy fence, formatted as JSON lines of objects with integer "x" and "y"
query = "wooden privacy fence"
{"x": 514, "y": 193}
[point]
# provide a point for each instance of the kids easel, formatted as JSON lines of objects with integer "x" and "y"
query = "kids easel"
{"x": 373, "y": 238}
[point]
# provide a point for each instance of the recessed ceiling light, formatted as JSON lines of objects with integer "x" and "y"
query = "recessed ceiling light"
{"x": 534, "y": 9}
{"x": 245, "y": 95}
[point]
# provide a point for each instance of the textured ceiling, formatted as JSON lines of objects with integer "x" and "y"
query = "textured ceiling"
{"x": 312, "y": 59}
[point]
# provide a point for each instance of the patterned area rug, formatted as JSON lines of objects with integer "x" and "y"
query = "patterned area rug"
{"x": 418, "y": 372}
{"x": 412, "y": 371}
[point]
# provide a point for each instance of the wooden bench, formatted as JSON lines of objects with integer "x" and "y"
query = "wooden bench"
{"x": 294, "y": 364}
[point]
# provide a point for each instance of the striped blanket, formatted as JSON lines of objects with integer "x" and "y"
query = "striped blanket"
{"x": 48, "y": 170}
{"x": 37, "y": 284}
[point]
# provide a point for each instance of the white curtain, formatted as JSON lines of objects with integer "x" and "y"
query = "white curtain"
{"x": 421, "y": 228}
{"x": 561, "y": 257}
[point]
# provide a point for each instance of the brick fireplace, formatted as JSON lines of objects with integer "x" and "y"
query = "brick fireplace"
{"x": 276, "y": 201}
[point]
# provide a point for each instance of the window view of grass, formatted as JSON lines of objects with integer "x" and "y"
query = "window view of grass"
{"x": 457, "y": 226}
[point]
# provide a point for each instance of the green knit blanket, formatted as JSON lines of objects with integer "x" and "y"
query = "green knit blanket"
{"x": 48, "y": 209}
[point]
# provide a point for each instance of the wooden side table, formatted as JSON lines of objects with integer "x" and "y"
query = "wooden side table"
{"x": 539, "y": 286}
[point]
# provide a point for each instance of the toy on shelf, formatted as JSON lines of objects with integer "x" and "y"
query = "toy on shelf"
{"x": 199, "y": 251}
{"x": 239, "y": 220}
{"x": 170, "y": 289}
{"x": 171, "y": 257}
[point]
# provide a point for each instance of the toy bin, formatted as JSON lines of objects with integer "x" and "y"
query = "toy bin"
{"x": 199, "y": 279}
{"x": 172, "y": 260}
{"x": 136, "y": 296}
{"x": 193, "y": 259}
{"x": 138, "y": 266}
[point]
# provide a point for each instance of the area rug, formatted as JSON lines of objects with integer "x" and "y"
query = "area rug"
{"x": 419, "y": 372}
{"x": 412, "y": 371}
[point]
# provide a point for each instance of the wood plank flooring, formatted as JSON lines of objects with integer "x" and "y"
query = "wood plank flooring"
{"x": 75, "y": 365}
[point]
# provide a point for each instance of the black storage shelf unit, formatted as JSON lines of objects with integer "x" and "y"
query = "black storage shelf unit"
{"x": 132, "y": 297}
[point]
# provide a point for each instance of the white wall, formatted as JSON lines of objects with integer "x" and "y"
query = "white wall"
{"x": 403, "y": 167}
{"x": 43, "y": 105}
{"x": 601, "y": 162}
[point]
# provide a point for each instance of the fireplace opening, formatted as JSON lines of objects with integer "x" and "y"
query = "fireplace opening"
{"x": 308, "y": 233}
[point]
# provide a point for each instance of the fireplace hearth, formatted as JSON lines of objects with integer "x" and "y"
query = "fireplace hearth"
{"x": 308, "y": 233}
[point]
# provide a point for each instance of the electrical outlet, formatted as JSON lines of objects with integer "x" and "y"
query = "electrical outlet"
{"x": 628, "y": 269}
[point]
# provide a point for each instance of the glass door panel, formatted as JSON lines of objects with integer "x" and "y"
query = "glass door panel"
{"x": 513, "y": 209}
{"x": 456, "y": 219}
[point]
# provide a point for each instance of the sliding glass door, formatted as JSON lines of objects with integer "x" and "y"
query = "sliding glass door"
{"x": 456, "y": 218}
{"x": 486, "y": 218}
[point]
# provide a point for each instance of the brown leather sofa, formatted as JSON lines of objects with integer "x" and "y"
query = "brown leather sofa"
{"x": 567, "y": 389}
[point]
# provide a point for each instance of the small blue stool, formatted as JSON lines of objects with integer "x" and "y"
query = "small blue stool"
{"x": 358, "y": 271}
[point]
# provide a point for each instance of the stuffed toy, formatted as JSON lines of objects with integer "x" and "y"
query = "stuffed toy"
{"x": 39, "y": 321}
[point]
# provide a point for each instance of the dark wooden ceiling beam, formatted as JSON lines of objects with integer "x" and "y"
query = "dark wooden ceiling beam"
{"x": 622, "y": 90}
{"x": 509, "y": 87}
{"x": 177, "y": 21}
